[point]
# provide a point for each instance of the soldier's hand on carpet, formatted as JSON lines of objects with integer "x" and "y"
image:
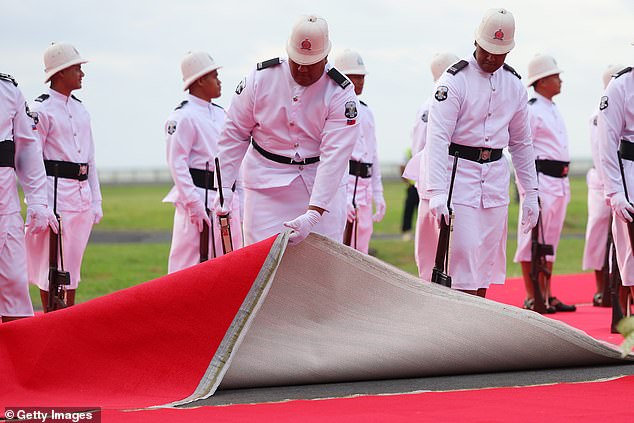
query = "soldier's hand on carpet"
{"x": 302, "y": 225}
{"x": 438, "y": 207}
{"x": 198, "y": 214}
{"x": 530, "y": 211}
{"x": 39, "y": 217}
{"x": 622, "y": 208}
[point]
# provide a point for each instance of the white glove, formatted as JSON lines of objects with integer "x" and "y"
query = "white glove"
{"x": 379, "y": 206}
{"x": 228, "y": 200}
{"x": 197, "y": 214}
{"x": 438, "y": 207}
{"x": 621, "y": 207}
{"x": 530, "y": 211}
{"x": 302, "y": 226}
{"x": 97, "y": 212}
{"x": 39, "y": 217}
{"x": 350, "y": 212}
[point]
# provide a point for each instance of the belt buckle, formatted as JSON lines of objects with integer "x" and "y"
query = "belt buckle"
{"x": 485, "y": 155}
{"x": 564, "y": 171}
{"x": 83, "y": 170}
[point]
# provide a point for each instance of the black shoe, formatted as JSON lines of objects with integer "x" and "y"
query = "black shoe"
{"x": 559, "y": 306}
{"x": 529, "y": 304}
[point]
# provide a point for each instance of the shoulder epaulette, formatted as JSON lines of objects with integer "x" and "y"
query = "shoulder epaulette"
{"x": 457, "y": 67}
{"x": 42, "y": 98}
{"x": 338, "y": 77}
{"x": 532, "y": 100}
{"x": 513, "y": 71}
{"x": 623, "y": 72}
{"x": 363, "y": 102}
{"x": 268, "y": 63}
{"x": 8, "y": 77}
{"x": 218, "y": 106}
{"x": 75, "y": 98}
{"x": 180, "y": 106}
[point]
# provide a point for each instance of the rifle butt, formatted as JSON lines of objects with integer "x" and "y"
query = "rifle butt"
{"x": 204, "y": 243}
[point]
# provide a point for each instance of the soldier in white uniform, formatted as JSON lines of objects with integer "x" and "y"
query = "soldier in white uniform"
{"x": 599, "y": 211}
{"x": 425, "y": 224}
{"x": 21, "y": 155}
{"x": 550, "y": 143}
{"x": 479, "y": 109}
{"x": 68, "y": 149}
{"x": 364, "y": 171}
{"x": 300, "y": 117}
{"x": 616, "y": 133}
{"x": 192, "y": 131}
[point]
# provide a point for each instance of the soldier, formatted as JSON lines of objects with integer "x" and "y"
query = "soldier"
{"x": 424, "y": 224}
{"x": 192, "y": 131}
{"x": 364, "y": 171}
{"x": 21, "y": 155}
{"x": 598, "y": 210}
{"x": 69, "y": 151}
{"x": 550, "y": 143}
{"x": 616, "y": 133}
{"x": 300, "y": 116}
{"x": 480, "y": 107}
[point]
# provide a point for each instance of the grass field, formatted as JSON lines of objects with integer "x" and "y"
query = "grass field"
{"x": 111, "y": 267}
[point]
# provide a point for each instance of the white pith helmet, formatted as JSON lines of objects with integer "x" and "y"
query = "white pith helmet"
{"x": 441, "y": 62}
{"x": 541, "y": 66}
{"x": 59, "y": 56}
{"x": 309, "y": 42}
{"x": 350, "y": 62}
{"x": 196, "y": 64}
{"x": 609, "y": 72}
{"x": 496, "y": 31}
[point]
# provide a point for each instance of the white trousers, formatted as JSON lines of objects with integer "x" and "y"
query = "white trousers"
{"x": 596, "y": 230}
{"x": 364, "y": 229}
{"x": 14, "y": 286}
{"x": 76, "y": 227}
{"x": 266, "y": 210}
{"x": 624, "y": 253}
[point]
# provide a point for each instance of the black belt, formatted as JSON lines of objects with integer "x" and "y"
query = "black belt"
{"x": 7, "y": 153}
{"x": 475, "y": 154}
{"x": 283, "y": 159}
{"x": 627, "y": 150}
{"x": 68, "y": 170}
{"x": 360, "y": 169}
{"x": 203, "y": 178}
{"x": 554, "y": 168}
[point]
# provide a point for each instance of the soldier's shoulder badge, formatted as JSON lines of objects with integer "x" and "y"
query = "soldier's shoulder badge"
{"x": 180, "y": 106}
{"x": 425, "y": 116}
{"x": 457, "y": 67}
{"x": 513, "y": 71}
{"x": 241, "y": 85}
{"x": 351, "y": 112}
{"x": 268, "y": 63}
{"x": 532, "y": 101}
{"x": 75, "y": 98}
{"x": 338, "y": 77}
{"x": 623, "y": 72}
{"x": 42, "y": 98}
{"x": 441, "y": 93}
{"x": 9, "y": 78}
{"x": 171, "y": 127}
{"x": 604, "y": 103}
{"x": 32, "y": 115}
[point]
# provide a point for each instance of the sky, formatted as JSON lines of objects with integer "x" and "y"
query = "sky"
{"x": 135, "y": 47}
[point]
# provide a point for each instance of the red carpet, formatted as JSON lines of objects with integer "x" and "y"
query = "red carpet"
{"x": 561, "y": 403}
{"x": 571, "y": 289}
{"x": 104, "y": 352}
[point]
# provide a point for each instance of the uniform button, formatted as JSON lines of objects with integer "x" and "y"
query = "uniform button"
{"x": 70, "y": 116}
{"x": 296, "y": 145}
{"x": 492, "y": 89}
{"x": 486, "y": 139}
{"x": 489, "y": 114}
{"x": 292, "y": 123}
{"x": 301, "y": 167}
{"x": 295, "y": 98}
{"x": 74, "y": 134}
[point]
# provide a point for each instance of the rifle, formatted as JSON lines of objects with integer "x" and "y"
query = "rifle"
{"x": 204, "y": 234}
{"x": 615, "y": 289}
{"x": 351, "y": 227}
{"x": 58, "y": 279}
{"x": 630, "y": 225}
{"x": 225, "y": 226}
{"x": 606, "y": 292}
{"x": 539, "y": 251}
{"x": 440, "y": 273}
